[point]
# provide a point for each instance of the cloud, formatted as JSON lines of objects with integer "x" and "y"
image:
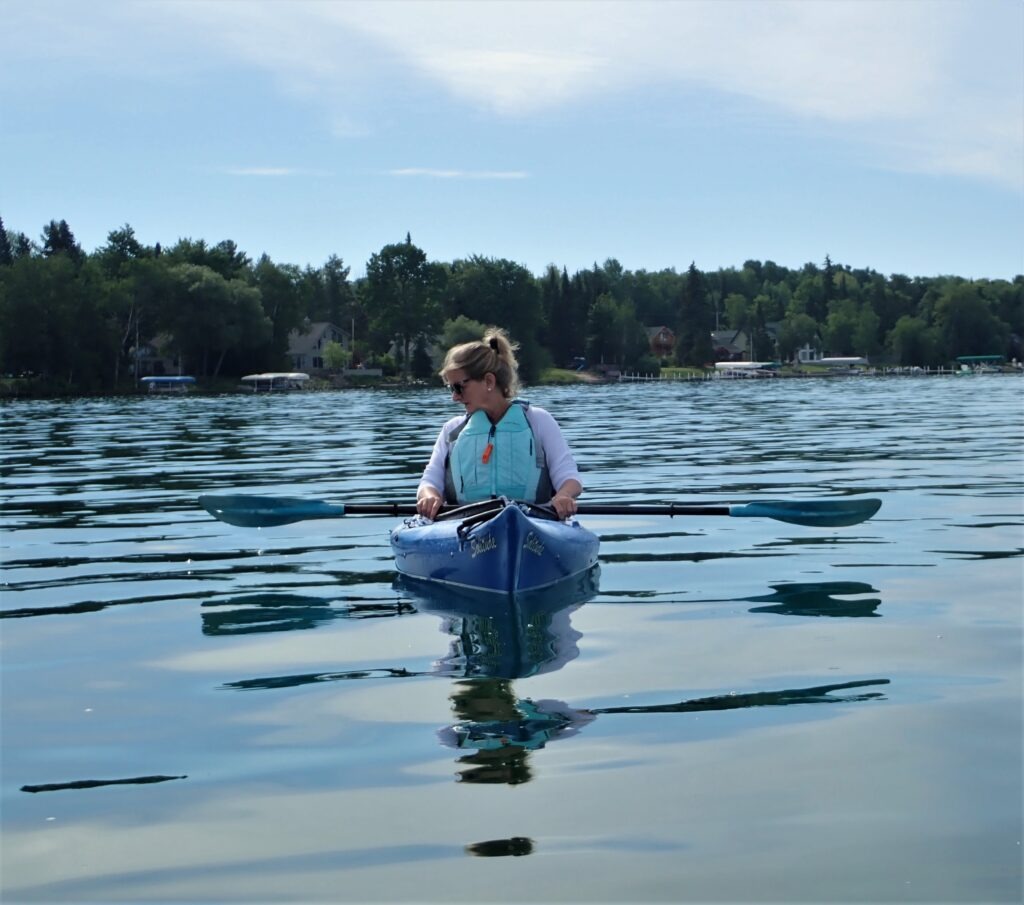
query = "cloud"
{"x": 459, "y": 174}
{"x": 934, "y": 87}
{"x": 271, "y": 172}
{"x": 260, "y": 171}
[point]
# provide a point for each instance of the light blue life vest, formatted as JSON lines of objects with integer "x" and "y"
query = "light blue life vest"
{"x": 491, "y": 460}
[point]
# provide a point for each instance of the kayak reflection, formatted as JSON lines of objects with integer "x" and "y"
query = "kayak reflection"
{"x": 495, "y": 640}
{"x": 492, "y": 635}
{"x": 507, "y": 637}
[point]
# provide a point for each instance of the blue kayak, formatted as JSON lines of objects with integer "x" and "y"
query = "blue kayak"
{"x": 495, "y": 546}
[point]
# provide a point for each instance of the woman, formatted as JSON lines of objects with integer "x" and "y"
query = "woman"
{"x": 500, "y": 447}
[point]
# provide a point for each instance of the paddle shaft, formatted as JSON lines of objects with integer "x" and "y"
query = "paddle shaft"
{"x": 394, "y": 509}
{"x": 669, "y": 509}
{"x": 264, "y": 512}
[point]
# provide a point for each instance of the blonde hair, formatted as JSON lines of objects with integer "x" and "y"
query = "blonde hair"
{"x": 494, "y": 354}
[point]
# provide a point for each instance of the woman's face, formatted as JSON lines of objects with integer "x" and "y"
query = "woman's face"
{"x": 473, "y": 392}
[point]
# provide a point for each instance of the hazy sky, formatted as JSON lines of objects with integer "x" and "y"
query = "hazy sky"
{"x": 885, "y": 134}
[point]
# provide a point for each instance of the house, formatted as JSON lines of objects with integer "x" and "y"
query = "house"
{"x": 662, "y": 340}
{"x": 807, "y": 354}
{"x": 730, "y": 345}
{"x": 305, "y": 347}
{"x": 157, "y": 357}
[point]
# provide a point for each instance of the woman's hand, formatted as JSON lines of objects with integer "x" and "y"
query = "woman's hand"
{"x": 564, "y": 501}
{"x": 429, "y": 502}
{"x": 564, "y": 505}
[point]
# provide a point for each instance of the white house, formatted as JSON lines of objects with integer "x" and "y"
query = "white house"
{"x": 305, "y": 348}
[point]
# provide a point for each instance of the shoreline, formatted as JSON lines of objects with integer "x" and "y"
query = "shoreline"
{"x": 20, "y": 389}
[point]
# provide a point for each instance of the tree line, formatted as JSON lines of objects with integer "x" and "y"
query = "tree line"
{"x": 76, "y": 319}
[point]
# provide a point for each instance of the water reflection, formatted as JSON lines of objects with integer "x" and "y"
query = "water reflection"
{"x": 505, "y": 638}
{"x": 98, "y": 783}
{"x": 280, "y": 612}
{"x": 501, "y": 730}
{"x": 496, "y": 641}
{"x": 496, "y": 731}
{"x": 819, "y": 599}
{"x": 497, "y": 848}
{"x": 843, "y": 599}
{"x": 493, "y": 642}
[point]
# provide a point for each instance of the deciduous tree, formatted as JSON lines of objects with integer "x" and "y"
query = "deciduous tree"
{"x": 401, "y": 294}
{"x": 503, "y": 293}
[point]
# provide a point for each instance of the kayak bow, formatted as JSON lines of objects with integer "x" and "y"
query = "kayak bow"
{"x": 507, "y": 548}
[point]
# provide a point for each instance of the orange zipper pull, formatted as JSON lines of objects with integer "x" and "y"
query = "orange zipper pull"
{"x": 486, "y": 457}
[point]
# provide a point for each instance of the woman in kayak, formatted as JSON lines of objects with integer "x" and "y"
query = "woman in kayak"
{"x": 500, "y": 446}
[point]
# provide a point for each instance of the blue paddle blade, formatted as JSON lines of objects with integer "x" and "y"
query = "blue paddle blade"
{"x": 812, "y": 513}
{"x": 266, "y": 511}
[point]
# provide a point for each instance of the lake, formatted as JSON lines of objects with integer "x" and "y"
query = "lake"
{"x": 735, "y": 710}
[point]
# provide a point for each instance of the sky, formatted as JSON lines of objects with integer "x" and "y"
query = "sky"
{"x": 884, "y": 134}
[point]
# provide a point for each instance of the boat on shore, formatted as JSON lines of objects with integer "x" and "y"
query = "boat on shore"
{"x": 168, "y": 384}
{"x": 746, "y": 369}
{"x": 274, "y": 382}
{"x": 495, "y": 546}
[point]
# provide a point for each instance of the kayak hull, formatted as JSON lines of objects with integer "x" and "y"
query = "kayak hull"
{"x": 509, "y": 552}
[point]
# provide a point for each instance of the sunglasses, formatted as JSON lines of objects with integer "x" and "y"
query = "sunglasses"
{"x": 459, "y": 385}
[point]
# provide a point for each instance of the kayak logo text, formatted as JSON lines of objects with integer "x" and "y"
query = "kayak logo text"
{"x": 533, "y": 544}
{"x": 480, "y": 545}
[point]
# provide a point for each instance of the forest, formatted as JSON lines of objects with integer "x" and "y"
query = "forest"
{"x": 72, "y": 320}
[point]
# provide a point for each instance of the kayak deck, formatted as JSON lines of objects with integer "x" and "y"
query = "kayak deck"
{"x": 495, "y": 546}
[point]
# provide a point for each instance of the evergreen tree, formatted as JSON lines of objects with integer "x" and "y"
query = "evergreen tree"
{"x": 58, "y": 239}
{"x": 422, "y": 366}
{"x": 224, "y": 258}
{"x": 6, "y": 252}
{"x": 558, "y": 317}
{"x": 696, "y": 321}
{"x": 828, "y": 284}
{"x": 339, "y": 300}
{"x": 121, "y": 249}
{"x": 22, "y": 246}
{"x": 576, "y": 314}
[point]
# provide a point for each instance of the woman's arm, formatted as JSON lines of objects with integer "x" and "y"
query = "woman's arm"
{"x": 564, "y": 500}
{"x": 562, "y": 469}
{"x": 430, "y": 493}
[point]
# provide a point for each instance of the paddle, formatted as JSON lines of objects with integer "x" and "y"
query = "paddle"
{"x": 267, "y": 511}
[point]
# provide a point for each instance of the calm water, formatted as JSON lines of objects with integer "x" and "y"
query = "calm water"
{"x": 743, "y": 710}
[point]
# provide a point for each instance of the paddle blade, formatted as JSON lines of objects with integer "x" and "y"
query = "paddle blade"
{"x": 813, "y": 513}
{"x": 266, "y": 511}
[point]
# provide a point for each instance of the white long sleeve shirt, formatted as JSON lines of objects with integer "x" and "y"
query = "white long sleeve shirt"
{"x": 560, "y": 462}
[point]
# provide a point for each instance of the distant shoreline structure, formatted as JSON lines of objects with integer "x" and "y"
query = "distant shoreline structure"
{"x": 21, "y": 388}
{"x": 813, "y": 374}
